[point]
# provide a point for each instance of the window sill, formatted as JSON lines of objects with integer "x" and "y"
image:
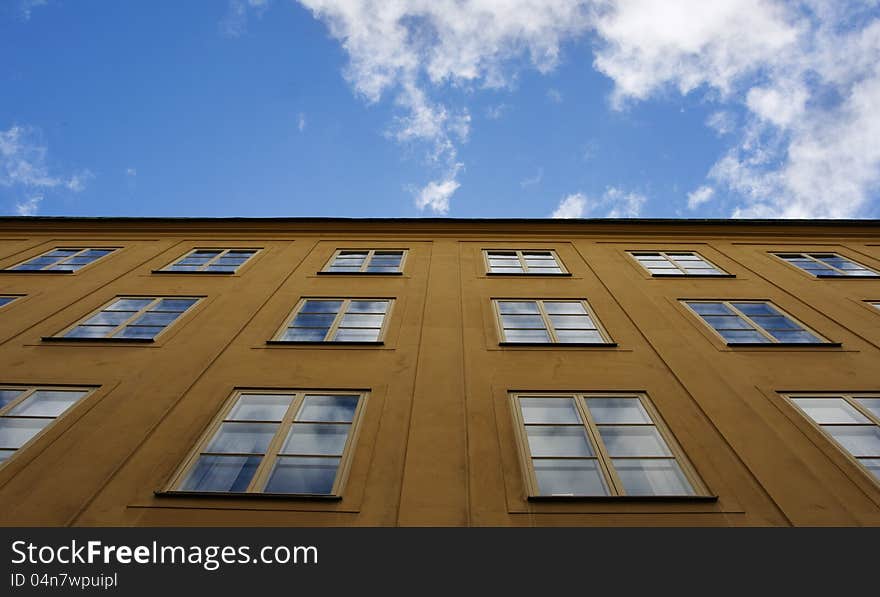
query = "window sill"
{"x": 827, "y": 277}
{"x": 243, "y": 495}
{"x": 785, "y": 344}
{"x": 37, "y": 271}
{"x": 561, "y": 344}
{"x": 623, "y": 498}
{"x": 99, "y": 340}
{"x": 171, "y": 272}
{"x": 685, "y": 276}
{"x": 323, "y": 343}
{"x": 528, "y": 275}
{"x": 359, "y": 273}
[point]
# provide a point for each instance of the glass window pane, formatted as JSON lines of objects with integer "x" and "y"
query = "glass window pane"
{"x": 368, "y": 307}
{"x": 314, "y": 320}
{"x": 569, "y": 477}
{"x": 579, "y": 336}
{"x": 46, "y": 403}
{"x": 383, "y": 269}
{"x": 334, "y": 268}
{"x": 564, "y": 308}
{"x": 666, "y": 272}
{"x": 727, "y": 322}
{"x": 658, "y": 264}
{"x": 684, "y": 256}
{"x": 184, "y": 268}
{"x": 858, "y": 440}
{"x": 206, "y": 253}
{"x": 802, "y": 337}
{"x": 863, "y": 273}
{"x": 743, "y": 337}
{"x": 175, "y": 305}
{"x": 526, "y": 336}
{"x": 545, "y": 270}
{"x": 872, "y": 404}
{"x": 313, "y": 439}
{"x": 830, "y": 410}
{"x": 549, "y": 410}
{"x": 139, "y": 332}
{"x": 506, "y": 270}
{"x": 522, "y": 307}
{"x": 633, "y": 441}
{"x": 756, "y": 308}
{"x": 362, "y": 321}
{"x": 305, "y": 334}
{"x": 523, "y": 321}
{"x": 6, "y": 454}
{"x": 579, "y": 322}
{"x": 776, "y": 322}
{"x": 615, "y": 411}
{"x": 90, "y": 331}
{"x": 872, "y": 464}
{"x": 242, "y": 438}
{"x": 7, "y": 396}
{"x": 558, "y": 441}
{"x": 260, "y": 407}
{"x": 328, "y": 409}
{"x": 710, "y": 308}
{"x": 14, "y": 433}
{"x": 161, "y": 318}
{"x": 221, "y": 473}
{"x": 129, "y": 304}
{"x": 112, "y": 318}
{"x": 303, "y": 475}
{"x": 652, "y": 477}
{"x": 356, "y": 335}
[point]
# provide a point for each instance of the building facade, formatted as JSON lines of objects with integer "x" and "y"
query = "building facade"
{"x": 320, "y": 372}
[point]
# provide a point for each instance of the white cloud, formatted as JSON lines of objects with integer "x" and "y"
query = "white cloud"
{"x": 301, "y": 122}
{"x": 131, "y": 172}
{"x": 700, "y": 196}
{"x": 26, "y": 6}
{"x": 497, "y": 111}
{"x": 234, "y": 24}
{"x": 614, "y": 203}
{"x": 571, "y": 206}
{"x": 533, "y": 180}
{"x": 722, "y": 122}
{"x": 554, "y": 95}
{"x": 29, "y": 206}
{"x": 436, "y": 194}
{"x": 24, "y": 168}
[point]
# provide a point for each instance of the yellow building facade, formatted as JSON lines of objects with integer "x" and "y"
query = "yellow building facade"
{"x": 332, "y": 372}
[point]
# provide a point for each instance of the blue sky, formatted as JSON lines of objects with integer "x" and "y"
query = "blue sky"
{"x": 369, "y": 108}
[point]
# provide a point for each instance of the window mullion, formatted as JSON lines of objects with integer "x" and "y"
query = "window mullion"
{"x": 130, "y": 319}
{"x": 752, "y": 323}
{"x": 17, "y": 401}
{"x": 522, "y": 262}
{"x": 68, "y": 258}
{"x": 367, "y": 260}
{"x": 602, "y": 456}
{"x": 525, "y": 450}
{"x": 261, "y": 475}
{"x": 547, "y": 322}
{"x": 855, "y": 404}
{"x": 337, "y": 321}
{"x": 216, "y": 257}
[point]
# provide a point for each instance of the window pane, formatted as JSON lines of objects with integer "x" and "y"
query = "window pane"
{"x": 558, "y": 441}
{"x": 523, "y": 321}
{"x": 569, "y": 477}
{"x": 129, "y": 304}
{"x": 776, "y": 322}
{"x": 314, "y": 439}
{"x": 710, "y": 308}
{"x": 658, "y": 264}
{"x": 111, "y": 318}
{"x": 6, "y": 454}
{"x": 314, "y": 320}
{"x": 302, "y": 475}
{"x": 579, "y": 322}
{"x": 260, "y": 407}
{"x": 633, "y": 441}
{"x": 90, "y": 331}
{"x": 362, "y": 321}
{"x": 872, "y": 464}
{"x": 756, "y": 308}
{"x": 184, "y": 268}
{"x": 741, "y": 337}
{"x": 564, "y": 308}
{"x": 545, "y": 270}
{"x": 615, "y": 411}
{"x": 652, "y": 477}
{"x": 862, "y": 272}
{"x": 14, "y": 433}
{"x": 872, "y": 404}
{"x": 579, "y": 336}
{"x": 506, "y": 270}
{"x": 368, "y": 307}
{"x": 513, "y": 307}
{"x": 859, "y": 440}
{"x": 526, "y": 336}
{"x": 728, "y": 322}
{"x": 7, "y": 396}
{"x": 666, "y": 272}
{"x": 383, "y": 269}
{"x": 175, "y": 305}
{"x": 830, "y": 410}
{"x": 221, "y": 473}
{"x": 156, "y": 319}
{"x": 316, "y": 306}
{"x": 242, "y": 438}
{"x": 46, "y": 403}
{"x": 549, "y": 410}
{"x": 305, "y": 334}
{"x": 684, "y": 256}
{"x": 799, "y": 337}
{"x": 356, "y": 335}
{"x": 139, "y": 332}
{"x": 328, "y": 409}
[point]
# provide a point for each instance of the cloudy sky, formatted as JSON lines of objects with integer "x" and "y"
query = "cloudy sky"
{"x": 460, "y": 108}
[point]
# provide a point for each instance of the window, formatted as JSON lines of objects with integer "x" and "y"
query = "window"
{"x": 827, "y": 265}
{"x": 26, "y": 411}
{"x": 337, "y": 320}
{"x": 276, "y": 443}
{"x": 549, "y": 321}
{"x": 599, "y": 445}
{"x": 753, "y": 322}
{"x": 523, "y": 262}
{"x": 851, "y": 420}
{"x": 875, "y": 304}
{"x": 366, "y": 261}
{"x": 130, "y": 318}
{"x": 5, "y": 300}
{"x": 676, "y": 263}
{"x": 211, "y": 261}
{"x": 64, "y": 260}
